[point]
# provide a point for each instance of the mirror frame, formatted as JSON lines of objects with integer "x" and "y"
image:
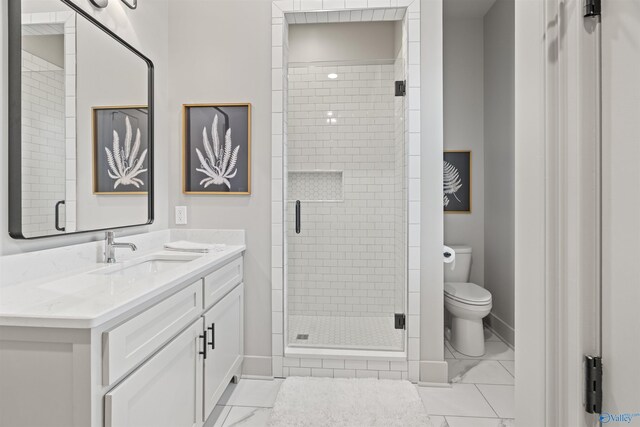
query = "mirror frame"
{"x": 15, "y": 120}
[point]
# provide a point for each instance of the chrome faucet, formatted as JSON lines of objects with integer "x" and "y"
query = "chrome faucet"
{"x": 110, "y": 247}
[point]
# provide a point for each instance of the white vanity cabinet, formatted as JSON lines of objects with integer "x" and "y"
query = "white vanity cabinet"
{"x": 165, "y": 362}
{"x": 181, "y": 384}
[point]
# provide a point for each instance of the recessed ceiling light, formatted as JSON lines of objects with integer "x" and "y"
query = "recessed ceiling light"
{"x": 333, "y": 76}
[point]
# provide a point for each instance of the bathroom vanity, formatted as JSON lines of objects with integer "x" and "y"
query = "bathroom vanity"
{"x": 152, "y": 341}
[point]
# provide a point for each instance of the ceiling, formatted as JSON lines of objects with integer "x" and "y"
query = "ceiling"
{"x": 467, "y": 8}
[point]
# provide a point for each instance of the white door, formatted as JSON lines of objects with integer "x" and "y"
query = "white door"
{"x": 224, "y": 325}
{"x": 621, "y": 210}
{"x": 165, "y": 391}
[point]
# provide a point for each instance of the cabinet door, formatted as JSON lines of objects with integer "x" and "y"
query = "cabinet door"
{"x": 164, "y": 391}
{"x": 224, "y": 323}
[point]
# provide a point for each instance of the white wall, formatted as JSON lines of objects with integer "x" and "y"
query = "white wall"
{"x": 499, "y": 106}
{"x": 146, "y": 29}
{"x": 326, "y": 42}
{"x": 464, "y": 129}
{"x": 433, "y": 368}
{"x": 221, "y": 52}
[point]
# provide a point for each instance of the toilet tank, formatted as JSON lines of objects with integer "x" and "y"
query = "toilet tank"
{"x": 462, "y": 269}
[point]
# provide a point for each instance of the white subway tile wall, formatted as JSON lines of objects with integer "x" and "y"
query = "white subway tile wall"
{"x": 43, "y": 143}
{"x": 340, "y": 368}
{"x": 345, "y": 261}
{"x": 49, "y": 128}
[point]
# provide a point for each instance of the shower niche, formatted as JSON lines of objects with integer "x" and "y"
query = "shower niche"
{"x": 315, "y": 186}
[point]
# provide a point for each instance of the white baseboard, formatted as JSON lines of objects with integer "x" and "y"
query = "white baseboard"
{"x": 503, "y": 330}
{"x": 434, "y": 372}
{"x": 257, "y": 377}
{"x": 438, "y": 385}
{"x": 258, "y": 366}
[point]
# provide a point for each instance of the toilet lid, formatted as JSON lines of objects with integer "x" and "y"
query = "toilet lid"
{"x": 467, "y": 292}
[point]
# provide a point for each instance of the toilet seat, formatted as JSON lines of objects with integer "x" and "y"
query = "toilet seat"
{"x": 467, "y": 293}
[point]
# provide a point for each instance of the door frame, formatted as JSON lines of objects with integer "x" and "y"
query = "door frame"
{"x": 558, "y": 229}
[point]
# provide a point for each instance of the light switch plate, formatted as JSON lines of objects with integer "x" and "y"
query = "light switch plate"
{"x": 181, "y": 215}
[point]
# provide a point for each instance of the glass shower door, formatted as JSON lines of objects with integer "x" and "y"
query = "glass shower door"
{"x": 346, "y": 207}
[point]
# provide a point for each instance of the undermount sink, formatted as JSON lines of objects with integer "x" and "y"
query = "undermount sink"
{"x": 149, "y": 266}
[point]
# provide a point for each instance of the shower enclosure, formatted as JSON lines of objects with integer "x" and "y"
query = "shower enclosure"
{"x": 346, "y": 204}
{"x": 346, "y": 190}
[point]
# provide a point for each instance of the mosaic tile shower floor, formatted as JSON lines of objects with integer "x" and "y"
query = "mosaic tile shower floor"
{"x": 356, "y": 333}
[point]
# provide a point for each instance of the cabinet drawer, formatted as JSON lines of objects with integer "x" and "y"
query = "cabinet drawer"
{"x": 221, "y": 281}
{"x": 130, "y": 343}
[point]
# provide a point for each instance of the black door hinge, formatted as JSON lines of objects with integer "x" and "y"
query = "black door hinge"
{"x": 401, "y": 88}
{"x": 593, "y": 384}
{"x": 401, "y": 320}
{"x": 592, "y": 8}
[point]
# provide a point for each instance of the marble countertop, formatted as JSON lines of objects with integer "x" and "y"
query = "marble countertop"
{"x": 87, "y": 298}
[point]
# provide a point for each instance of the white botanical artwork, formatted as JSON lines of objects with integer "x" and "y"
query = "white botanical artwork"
{"x": 219, "y": 165}
{"x": 124, "y": 163}
{"x": 452, "y": 182}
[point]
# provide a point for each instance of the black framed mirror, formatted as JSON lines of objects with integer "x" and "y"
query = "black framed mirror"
{"x": 80, "y": 124}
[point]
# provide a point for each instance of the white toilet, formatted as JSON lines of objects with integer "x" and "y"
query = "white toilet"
{"x": 467, "y": 303}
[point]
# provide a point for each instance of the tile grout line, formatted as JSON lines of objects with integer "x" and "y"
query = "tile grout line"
{"x": 246, "y": 417}
{"x": 506, "y": 367}
{"x": 487, "y": 400}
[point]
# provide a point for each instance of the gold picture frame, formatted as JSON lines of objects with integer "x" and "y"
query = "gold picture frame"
{"x": 95, "y": 152}
{"x": 237, "y": 182}
{"x": 459, "y": 158}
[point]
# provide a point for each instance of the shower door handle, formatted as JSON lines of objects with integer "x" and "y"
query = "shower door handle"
{"x": 297, "y": 216}
{"x": 57, "y": 216}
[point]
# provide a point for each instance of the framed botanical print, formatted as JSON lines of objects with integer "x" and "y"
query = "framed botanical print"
{"x": 457, "y": 182}
{"x": 120, "y": 148}
{"x": 217, "y": 149}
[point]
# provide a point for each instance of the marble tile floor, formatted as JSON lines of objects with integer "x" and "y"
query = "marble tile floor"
{"x": 481, "y": 393}
{"x": 246, "y": 404}
{"x": 482, "y": 388}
